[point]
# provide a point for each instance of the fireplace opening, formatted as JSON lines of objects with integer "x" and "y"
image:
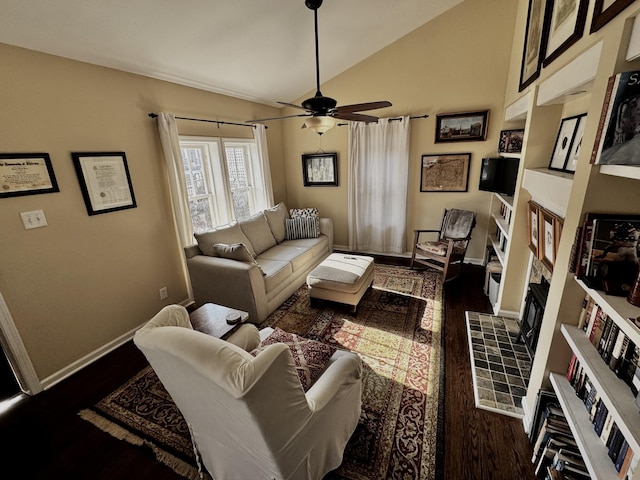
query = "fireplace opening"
{"x": 533, "y": 312}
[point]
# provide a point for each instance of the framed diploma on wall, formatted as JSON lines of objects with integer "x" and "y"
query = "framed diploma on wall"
{"x": 104, "y": 180}
{"x": 26, "y": 174}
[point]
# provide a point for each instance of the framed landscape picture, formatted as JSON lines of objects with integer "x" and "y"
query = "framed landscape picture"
{"x": 461, "y": 127}
{"x": 445, "y": 173}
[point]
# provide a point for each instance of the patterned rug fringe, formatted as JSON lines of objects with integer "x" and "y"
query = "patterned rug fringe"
{"x": 180, "y": 467}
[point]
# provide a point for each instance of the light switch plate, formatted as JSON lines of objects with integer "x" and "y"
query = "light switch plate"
{"x": 33, "y": 219}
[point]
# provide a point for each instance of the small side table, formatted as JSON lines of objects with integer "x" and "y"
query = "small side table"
{"x": 211, "y": 319}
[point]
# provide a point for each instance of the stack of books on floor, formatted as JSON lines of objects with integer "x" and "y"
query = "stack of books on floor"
{"x": 615, "y": 347}
{"x": 604, "y": 425}
{"x": 555, "y": 453}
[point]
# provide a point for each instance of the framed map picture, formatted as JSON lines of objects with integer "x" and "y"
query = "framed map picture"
{"x": 447, "y": 172}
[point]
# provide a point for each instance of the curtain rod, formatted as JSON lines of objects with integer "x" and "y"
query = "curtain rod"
{"x": 219, "y": 122}
{"x": 396, "y": 119}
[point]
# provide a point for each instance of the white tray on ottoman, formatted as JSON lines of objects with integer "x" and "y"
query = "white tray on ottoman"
{"x": 341, "y": 278}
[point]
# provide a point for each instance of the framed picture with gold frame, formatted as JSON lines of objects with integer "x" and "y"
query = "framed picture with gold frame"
{"x": 550, "y": 229}
{"x": 533, "y": 227}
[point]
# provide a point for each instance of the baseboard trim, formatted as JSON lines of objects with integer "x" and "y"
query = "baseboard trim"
{"x": 88, "y": 359}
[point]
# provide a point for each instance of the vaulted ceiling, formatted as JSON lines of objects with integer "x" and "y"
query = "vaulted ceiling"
{"x": 259, "y": 50}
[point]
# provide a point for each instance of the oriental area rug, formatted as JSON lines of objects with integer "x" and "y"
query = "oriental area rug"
{"x": 397, "y": 331}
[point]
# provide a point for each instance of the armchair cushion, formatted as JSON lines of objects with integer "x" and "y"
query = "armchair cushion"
{"x": 310, "y": 357}
{"x": 439, "y": 248}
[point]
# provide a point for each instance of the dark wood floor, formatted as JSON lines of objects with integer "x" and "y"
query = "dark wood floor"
{"x": 43, "y": 437}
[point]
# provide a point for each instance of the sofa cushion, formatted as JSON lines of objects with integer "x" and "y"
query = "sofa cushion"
{"x": 302, "y": 227}
{"x": 318, "y": 246}
{"x": 228, "y": 234}
{"x": 257, "y": 230}
{"x": 306, "y": 212}
{"x": 276, "y": 217}
{"x": 299, "y": 257}
{"x": 234, "y": 251}
{"x": 309, "y": 356}
{"x": 276, "y": 273}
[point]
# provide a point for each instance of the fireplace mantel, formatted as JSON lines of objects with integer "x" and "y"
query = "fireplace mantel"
{"x": 549, "y": 188}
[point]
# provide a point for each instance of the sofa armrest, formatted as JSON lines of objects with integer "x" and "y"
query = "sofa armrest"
{"x": 192, "y": 250}
{"x": 326, "y": 228}
{"x": 227, "y": 282}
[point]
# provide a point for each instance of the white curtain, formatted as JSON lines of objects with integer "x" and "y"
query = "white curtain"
{"x": 179, "y": 198}
{"x": 177, "y": 184}
{"x": 378, "y": 170}
{"x": 260, "y": 135}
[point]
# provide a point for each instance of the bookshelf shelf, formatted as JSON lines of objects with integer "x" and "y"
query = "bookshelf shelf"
{"x": 614, "y": 392}
{"x": 501, "y": 223}
{"x": 618, "y": 309}
{"x": 593, "y": 451}
{"x": 496, "y": 246}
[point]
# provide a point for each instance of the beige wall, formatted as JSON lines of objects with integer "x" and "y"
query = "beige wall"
{"x": 83, "y": 281}
{"x": 458, "y": 62}
{"x": 80, "y": 283}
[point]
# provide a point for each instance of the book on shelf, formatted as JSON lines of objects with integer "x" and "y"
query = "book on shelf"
{"x": 585, "y": 311}
{"x": 614, "y": 143}
{"x": 597, "y": 327}
{"x": 575, "y": 250}
{"x": 626, "y": 463}
{"x": 607, "y": 342}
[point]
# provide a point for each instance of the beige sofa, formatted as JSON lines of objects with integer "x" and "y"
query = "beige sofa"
{"x": 261, "y": 277}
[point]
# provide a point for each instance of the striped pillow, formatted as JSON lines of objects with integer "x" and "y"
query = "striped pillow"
{"x": 301, "y": 227}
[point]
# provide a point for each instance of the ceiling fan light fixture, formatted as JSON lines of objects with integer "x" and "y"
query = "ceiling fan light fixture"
{"x": 320, "y": 124}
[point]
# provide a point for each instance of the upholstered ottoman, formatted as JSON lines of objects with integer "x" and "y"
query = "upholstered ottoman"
{"x": 341, "y": 278}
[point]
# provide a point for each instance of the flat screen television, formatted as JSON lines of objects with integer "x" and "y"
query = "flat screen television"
{"x": 499, "y": 175}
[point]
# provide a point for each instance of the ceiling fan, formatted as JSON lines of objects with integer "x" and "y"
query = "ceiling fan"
{"x": 322, "y": 111}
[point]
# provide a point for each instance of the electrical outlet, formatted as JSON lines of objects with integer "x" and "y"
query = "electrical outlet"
{"x": 33, "y": 219}
{"x": 164, "y": 293}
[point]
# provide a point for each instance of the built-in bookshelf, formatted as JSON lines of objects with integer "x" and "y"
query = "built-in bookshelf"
{"x": 501, "y": 212}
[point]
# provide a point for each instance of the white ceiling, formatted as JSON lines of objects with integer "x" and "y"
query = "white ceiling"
{"x": 260, "y": 50}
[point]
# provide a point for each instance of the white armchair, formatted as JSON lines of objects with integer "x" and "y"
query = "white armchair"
{"x": 249, "y": 416}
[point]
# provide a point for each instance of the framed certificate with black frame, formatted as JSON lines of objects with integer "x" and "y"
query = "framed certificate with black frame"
{"x": 104, "y": 180}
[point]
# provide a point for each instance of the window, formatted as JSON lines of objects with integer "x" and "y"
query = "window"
{"x": 220, "y": 182}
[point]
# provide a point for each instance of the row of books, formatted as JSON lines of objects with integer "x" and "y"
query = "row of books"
{"x": 604, "y": 254}
{"x": 505, "y": 213}
{"x": 616, "y": 348}
{"x": 501, "y": 240}
{"x": 555, "y": 449}
{"x": 604, "y": 425}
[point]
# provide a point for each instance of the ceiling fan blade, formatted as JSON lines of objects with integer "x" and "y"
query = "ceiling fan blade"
{"x": 277, "y": 118}
{"x": 359, "y": 107}
{"x": 293, "y": 105}
{"x": 355, "y": 117}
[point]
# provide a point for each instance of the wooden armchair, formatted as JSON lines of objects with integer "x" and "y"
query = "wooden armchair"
{"x": 447, "y": 252}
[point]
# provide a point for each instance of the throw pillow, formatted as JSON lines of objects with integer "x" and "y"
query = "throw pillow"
{"x": 301, "y": 227}
{"x": 310, "y": 357}
{"x": 306, "y": 212}
{"x": 234, "y": 251}
{"x": 225, "y": 234}
{"x": 276, "y": 217}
